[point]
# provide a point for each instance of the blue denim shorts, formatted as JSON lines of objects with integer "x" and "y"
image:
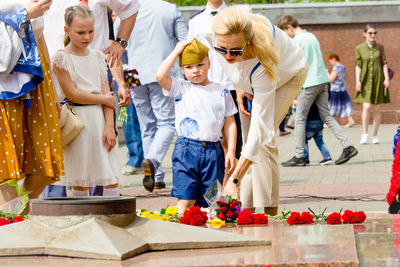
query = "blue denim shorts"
{"x": 195, "y": 165}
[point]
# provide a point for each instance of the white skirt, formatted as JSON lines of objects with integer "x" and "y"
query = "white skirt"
{"x": 86, "y": 160}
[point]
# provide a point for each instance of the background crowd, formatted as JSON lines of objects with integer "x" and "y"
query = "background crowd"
{"x": 140, "y": 35}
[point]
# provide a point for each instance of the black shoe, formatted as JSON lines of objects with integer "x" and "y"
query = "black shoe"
{"x": 307, "y": 162}
{"x": 347, "y": 154}
{"x": 294, "y": 162}
{"x": 159, "y": 185}
{"x": 149, "y": 171}
{"x": 325, "y": 161}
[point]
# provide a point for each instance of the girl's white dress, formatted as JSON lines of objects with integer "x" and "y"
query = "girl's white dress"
{"x": 86, "y": 160}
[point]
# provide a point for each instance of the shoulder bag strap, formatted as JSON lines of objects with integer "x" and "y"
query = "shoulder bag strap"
{"x": 380, "y": 55}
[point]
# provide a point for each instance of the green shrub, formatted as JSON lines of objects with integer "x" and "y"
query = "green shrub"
{"x": 203, "y": 2}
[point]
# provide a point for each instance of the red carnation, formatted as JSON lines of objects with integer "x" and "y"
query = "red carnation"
{"x": 223, "y": 209}
{"x": 17, "y": 219}
{"x": 294, "y": 218}
{"x": 197, "y": 220}
{"x": 334, "y": 218}
{"x": 245, "y": 217}
{"x": 348, "y": 217}
{"x": 221, "y": 216}
{"x": 230, "y": 215}
{"x": 233, "y": 205}
{"x": 307, "y": 218}
{"x": 360, "y": 217}
{"x": 222, "y": 204}
{"x": 260, "y": 219}
{"x": 4, "y": 221}
{"x": 184, "y": 220}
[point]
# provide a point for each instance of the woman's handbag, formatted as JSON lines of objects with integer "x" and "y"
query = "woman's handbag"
{"x": 390, "y": 71}
{"x": 70, "y": 123}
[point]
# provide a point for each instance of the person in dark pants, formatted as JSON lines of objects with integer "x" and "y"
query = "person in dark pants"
{"x": 314, "y": 129}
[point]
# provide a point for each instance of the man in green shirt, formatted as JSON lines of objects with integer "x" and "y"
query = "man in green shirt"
{"x": 314, "y": 90}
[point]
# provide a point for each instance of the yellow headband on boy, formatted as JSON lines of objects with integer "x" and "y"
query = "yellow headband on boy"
{"x": 193, "y": 53}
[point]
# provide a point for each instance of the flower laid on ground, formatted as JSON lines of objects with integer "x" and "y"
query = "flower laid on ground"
{"x": 334, "y": 218}
{"x": 348, "y": 216}
{"x": 7, "y": 218}
{"x": 216, "y": 223}
{"x": 194, "y": 216}
{"x": 353, "y": 217}
{"x": 167, "y": 214}
{"x": 228, "y": 209}
{"x": 297, "y": 218}
{"x": 172, "y": 210}
{"x": 247, "y": 217}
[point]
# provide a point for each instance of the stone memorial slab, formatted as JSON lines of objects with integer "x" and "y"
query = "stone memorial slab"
{"x": 106, "y": 229}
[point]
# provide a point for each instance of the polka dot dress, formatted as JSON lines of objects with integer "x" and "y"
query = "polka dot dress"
{"x": 30, "y": 138}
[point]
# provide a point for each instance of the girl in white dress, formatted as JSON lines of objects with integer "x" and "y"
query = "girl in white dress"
{"x": 92, "y": 158}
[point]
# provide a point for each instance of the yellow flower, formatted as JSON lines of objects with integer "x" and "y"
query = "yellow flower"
{"x": 171, "y": 210}
{"x": 155, "y": 216}
{"x": 145, "y": 214}
{"x": 216, "y": 223}
{"x": 165, "y": 218}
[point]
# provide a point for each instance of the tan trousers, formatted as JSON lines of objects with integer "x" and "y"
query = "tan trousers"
{"x": 260, "y": 185}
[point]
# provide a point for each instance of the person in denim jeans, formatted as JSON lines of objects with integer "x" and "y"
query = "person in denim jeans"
{"x": 158, "y": 25}
{"x": 314, "y": 128}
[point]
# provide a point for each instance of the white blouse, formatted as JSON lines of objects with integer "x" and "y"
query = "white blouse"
{"x": 291, "y": 61}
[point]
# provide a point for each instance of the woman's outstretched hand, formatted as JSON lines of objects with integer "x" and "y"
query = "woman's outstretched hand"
{"x": 231, "y": 189}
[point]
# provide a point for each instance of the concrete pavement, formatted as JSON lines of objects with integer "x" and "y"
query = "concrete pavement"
{"x": 360, "y": 184}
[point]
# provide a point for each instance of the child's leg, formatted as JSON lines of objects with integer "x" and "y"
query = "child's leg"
{"x": 111, "y": 190}
{"x": 321, "y": 145}
{"x": 80, "y": 191}
{"x": 185, "y": 184}
{"x": 309, "y": 134}
{"x": 184, "y": 204}
{"x": 306, "y": 155}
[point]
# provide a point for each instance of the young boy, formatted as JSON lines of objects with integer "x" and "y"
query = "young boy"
{"x": 314, "y": 128}
{"x": 202, "y": 110}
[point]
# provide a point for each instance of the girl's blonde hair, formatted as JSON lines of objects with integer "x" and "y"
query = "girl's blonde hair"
{"x": 233, "y": 20}
{"x": 72, "y": 12}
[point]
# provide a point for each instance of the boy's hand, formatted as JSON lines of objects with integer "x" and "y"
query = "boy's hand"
{"x": 180, "y": 46}
{"x": 109, "y": 138}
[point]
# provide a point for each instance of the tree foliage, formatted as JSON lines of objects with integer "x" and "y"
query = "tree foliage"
{"x": 203, "y": 2}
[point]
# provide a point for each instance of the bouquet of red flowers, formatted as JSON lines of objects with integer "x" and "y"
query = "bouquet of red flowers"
{"x": 131, "y": 79}
{"x": 247, "y": 217}
{"x": 194, "y": 216}
{"x": 228, "y": 209}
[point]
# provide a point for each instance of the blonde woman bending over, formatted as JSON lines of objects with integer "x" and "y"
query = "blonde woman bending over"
{"x": 269, "y": 69}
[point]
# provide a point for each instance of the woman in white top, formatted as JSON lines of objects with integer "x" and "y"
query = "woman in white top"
{"x": 267, "y": 65}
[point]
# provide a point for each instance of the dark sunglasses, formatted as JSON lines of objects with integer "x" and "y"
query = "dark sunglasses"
{"x": 372, "y": 33}
{"x": 232, "y": 52}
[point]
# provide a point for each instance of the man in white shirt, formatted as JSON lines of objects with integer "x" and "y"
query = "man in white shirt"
{"x": 198, "y": 24}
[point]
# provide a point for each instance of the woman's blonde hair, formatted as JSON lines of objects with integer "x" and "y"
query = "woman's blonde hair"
{"x": 233, "y": 20}
{"x": 72, "y": 12}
